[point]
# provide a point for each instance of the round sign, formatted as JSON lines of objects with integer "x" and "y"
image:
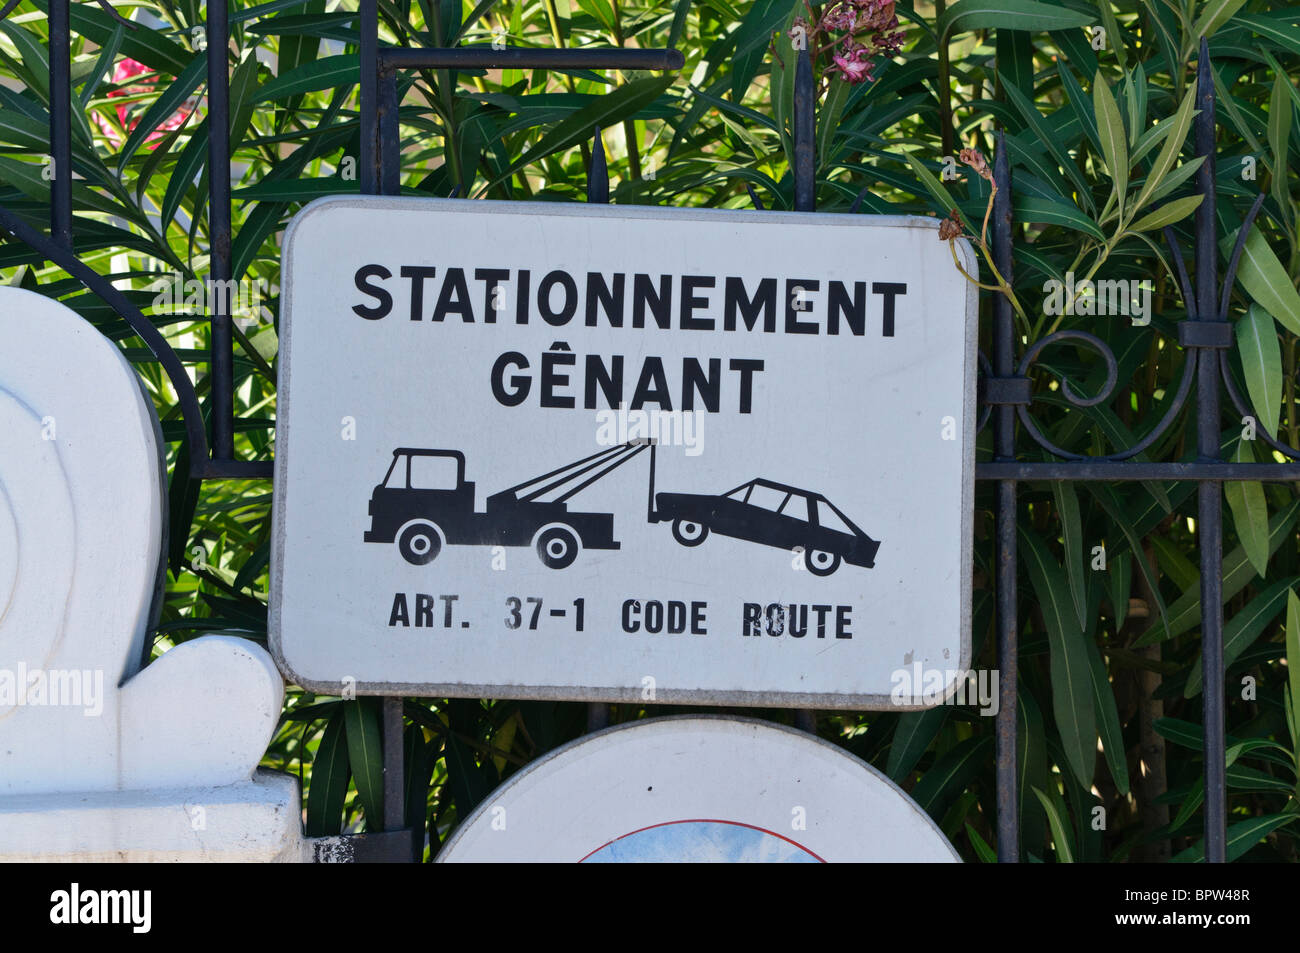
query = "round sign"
{"x": 695, "y": 789}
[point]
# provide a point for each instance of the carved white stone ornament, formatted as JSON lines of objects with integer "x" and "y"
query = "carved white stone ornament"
{"x": 101, "y": 757}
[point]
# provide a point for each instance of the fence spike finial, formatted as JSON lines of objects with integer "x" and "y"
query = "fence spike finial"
{"x": 805, "y": 134}
{"x": 598, "y": 178}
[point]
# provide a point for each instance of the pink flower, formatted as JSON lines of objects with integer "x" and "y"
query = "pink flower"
{"x": 855, "y": 64}
{"x": 841, "y": 16}
{"x": 124, "y": 70}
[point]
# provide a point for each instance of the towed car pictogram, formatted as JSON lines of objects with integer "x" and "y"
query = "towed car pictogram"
{"x": 771, "y": 514}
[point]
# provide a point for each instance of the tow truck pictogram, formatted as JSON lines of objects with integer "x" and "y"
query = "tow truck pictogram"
{"x": 422, "y": 507}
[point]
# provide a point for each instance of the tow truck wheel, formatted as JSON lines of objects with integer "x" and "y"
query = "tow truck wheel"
{"x": 689, "y": 533}
{"x": 419, "y": 544}
{"x": 822, "y": 563}
{"x": 558, "y": 547}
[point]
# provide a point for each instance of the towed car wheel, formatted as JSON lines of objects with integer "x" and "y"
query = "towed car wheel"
{"x": 822, "y": 563}
{"x": 689, "y": 533}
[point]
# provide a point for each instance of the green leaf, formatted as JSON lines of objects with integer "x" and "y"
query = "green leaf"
{"x": 912, "y": 735}
{"x": 1242, "y": 836}
{"x": 366, "y": 757}
{"x": 1293, "y": 668}
{"x": 983, "y": 851}
{"x": 103, "y": 65}
{"x": 1061, "y": 836}
{"x": 1080, "y": 103}
{"x": 1067, "y": 506}
{"x": 949, "y": 775}
{"x": 1049, "y": 138}
{"x": 1249, "y": 513}
{"x": 1116, "y": 38}
{"x": 418, "y": 758}
{"x": 1110, "y": 501}
{"x": 1119, "y": 580}
{"x": 34, "y": 55}
{"x": 1244, "y": 628}
{"x": 329, "y": 780}
{"x": 828, "y": 116}
{"x": 171, "y": 100}
{"x": 295, "y": 190}
{"x": 145, "y": 45}
{"x": 1280, "y": 109}
{"x": 332, "y": 71}
{"x": 181, "y": 180}
{"x": 606, "y": 111}
{"x": 1238, "y": 572}
{"x": 1180, "y": 570}
{"x": 1175, "y": 211}
{"x": 1015, "y": 58}
{"x": 1112, "y": 734}
{"x": 679, "y": 22}
{"x": 1013, "y": 14}
{"x": 1214, "y": 15}
{"x": 1264, "y": 278}
{"x": 1176, "y": 135}
{"x": 1050, "y": 212}
{"x": 1176, "y": 178}
{"x": 1261, "y": 360}
{"x": 1076, "y": 718}
{"x": 1285, "y": 36}
{"x": 468, "y": 786}
{"x": 751, "y": 39}
{"x": 934, "y": 187}
{"x": 1114, "y": 146}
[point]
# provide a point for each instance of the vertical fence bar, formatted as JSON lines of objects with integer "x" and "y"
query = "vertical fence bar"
{"x": 61, "y": 123}
{"x": 221, "y": 346}
{"x": 598, "y": 194}
{"x": 805, "y": 134}
{"x": 368, "y": 161}
{"x": 1004, "y": 423}
{"x": 381, "y": 162}
{"x": 1209, "y": 509}
{"x": 394, "y": 766}
{"x": 390, "y": 141}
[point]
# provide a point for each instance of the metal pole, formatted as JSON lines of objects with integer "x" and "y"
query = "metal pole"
{"x": 394, "y": 766}
{"x": 61, "y": 123}
{"x": 1004, "y": 423}
{"x": 598, "y": 194}
{"x": 390, "y": 144}
{"x": 369, "y": 50}
{"x": 1209, "y": 525}
{"x": 380, "y": 174}
{"x": 519, "y": 57}
{"x": 221, "y": 345}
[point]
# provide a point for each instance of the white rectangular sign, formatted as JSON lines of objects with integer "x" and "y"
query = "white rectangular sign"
{"x": 532, "y": 450}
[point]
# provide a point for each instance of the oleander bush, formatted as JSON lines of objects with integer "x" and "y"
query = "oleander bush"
{"x": 1095, "y": 101}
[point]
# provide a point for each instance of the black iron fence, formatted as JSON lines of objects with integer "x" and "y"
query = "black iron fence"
{"x": 1006, "y": 388}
